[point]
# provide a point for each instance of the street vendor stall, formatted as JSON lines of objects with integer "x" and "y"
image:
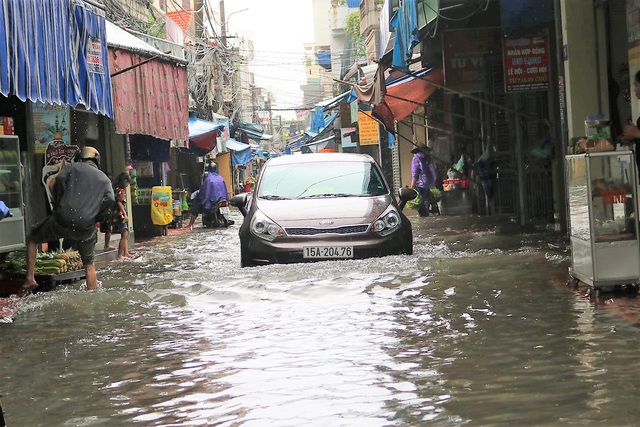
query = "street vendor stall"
{"x": 601, "y": 191}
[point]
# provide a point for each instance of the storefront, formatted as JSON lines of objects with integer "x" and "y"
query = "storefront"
{"x": 39, "y": 98}
{"x": 150, "y": 100}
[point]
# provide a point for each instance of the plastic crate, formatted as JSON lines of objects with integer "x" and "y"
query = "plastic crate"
{"x": 455, "y": 184}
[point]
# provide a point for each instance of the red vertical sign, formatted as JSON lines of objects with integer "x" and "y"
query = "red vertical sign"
{"x": 526, "y": 62}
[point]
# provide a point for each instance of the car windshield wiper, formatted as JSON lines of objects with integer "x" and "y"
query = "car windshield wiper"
{"x": 317, "y": 196}
{"x": 274, "y": 197}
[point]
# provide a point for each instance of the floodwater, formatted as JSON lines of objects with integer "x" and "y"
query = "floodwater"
{"x": 476, "y": 328}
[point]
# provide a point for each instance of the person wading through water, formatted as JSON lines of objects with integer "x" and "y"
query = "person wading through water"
{"x": 80, "y": 193}
{"x": 423, "y": 175}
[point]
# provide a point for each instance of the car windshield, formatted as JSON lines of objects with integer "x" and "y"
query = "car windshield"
{"x": 322, "y": 179}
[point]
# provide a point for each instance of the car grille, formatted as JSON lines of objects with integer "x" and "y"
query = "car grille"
{"x": 309, "y": 231}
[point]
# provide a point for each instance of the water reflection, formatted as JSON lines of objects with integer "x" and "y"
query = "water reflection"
{"x": 472, "y": 329}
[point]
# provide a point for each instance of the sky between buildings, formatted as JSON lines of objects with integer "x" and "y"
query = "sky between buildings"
{"x": 279, "y": 29}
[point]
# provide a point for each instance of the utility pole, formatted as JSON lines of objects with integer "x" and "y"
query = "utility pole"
{"x": 199, "y": 21}
{"x": 223, "y": 24}
{"x": 270, "y": 117}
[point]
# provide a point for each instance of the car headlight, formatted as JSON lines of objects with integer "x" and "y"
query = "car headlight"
{"x": 386, "y": 224}
{"x": 264, "y": 228}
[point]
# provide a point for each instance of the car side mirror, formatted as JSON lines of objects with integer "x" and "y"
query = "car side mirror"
{"x": 240, "y": 202}
{"x": 405, "y": 194}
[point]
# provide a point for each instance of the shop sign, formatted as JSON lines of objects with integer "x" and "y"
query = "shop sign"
{"x": 144, "y": 169}
{"x": 611, "y": 197}
{"x": 348, "y": 114}
{"x": 50, "y": 122}
{"x": 345, "y": 137}
{"x": 368, "y": 129}
{"x": 345, "y": 115}
{"x": 353, "y": 111}
{"x": 56, "y": 156}
{"x": 466, "y": 54}
{"x": 526, "y": 62}
{"x": 94, "y": 56}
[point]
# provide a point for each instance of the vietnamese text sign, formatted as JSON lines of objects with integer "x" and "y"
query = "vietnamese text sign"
{"x": 368, "y": 129}
{"x": 345, "y": 137}
{"x": 526, "y": 63}
{"x": 467, "y": 53}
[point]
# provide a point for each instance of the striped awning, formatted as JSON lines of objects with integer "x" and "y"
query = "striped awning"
{"x": 55, "y": 52}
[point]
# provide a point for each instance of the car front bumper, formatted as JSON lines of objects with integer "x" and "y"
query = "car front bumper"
{"x": 290, "y": 249}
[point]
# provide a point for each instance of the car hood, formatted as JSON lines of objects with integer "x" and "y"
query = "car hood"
{"x": 339, "y": 210}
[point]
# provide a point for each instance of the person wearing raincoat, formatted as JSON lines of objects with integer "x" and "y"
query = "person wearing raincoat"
{"x": 423, "y": 176}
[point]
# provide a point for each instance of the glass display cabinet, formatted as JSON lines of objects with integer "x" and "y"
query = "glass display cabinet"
{"x": 603, "y": 218}
{"x": 12, "y": 234}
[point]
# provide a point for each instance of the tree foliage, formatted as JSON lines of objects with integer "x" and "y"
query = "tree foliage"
{"x": 352, "y": 28}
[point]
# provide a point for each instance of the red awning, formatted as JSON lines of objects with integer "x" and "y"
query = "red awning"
{"x": 203, "y": 135}
{"x": 149, "y": 88}
{"x": 405, "y": 94}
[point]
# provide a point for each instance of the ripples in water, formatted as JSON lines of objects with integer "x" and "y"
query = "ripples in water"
{"x": 466, "y": 331}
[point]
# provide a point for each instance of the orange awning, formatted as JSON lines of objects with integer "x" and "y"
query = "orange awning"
{"x": 406, "y": 93}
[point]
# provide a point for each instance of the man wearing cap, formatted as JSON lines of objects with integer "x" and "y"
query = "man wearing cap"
{"x": 423, "y": 175}
{"x": 80, "y": 192}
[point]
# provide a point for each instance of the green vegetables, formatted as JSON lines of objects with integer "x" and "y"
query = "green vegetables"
{"x": 47, "y": 263}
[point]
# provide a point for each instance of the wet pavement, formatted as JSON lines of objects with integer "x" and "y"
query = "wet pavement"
{"x": 477, "y": 327}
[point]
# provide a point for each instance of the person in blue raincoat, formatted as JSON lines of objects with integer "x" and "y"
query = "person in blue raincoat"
{"x": 212, "y": 190}
{"x": 423, "y": 175}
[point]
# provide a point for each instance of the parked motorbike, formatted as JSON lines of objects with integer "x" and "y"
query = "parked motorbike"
{"x": 218, "y": 215}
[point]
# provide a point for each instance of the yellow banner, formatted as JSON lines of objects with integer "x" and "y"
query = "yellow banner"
{"x": 161, "y": 206}
{"x": 369, "y": 129}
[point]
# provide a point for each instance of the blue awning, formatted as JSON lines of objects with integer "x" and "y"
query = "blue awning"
{"x": 203, "y": 135}
{"x": 353, "y": 3}
{"x": 240, "y": 152}
{"x": 232, "y": 144}
{"x": 198, "y": 127}
{"x": 55, "y": 51}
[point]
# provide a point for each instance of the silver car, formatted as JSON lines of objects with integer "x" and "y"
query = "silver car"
{"x": 322, "y": 206}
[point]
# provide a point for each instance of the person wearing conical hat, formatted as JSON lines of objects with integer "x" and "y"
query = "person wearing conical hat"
{"x": 423, "y": 175}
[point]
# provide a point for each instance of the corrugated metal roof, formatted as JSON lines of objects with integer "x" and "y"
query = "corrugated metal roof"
{"x": 120, "y": 38}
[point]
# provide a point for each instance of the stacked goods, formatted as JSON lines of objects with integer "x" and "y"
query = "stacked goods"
{"x": 52, "y": 263}
{"x": 47, "y": 263}
{"x": 50, "y": 267}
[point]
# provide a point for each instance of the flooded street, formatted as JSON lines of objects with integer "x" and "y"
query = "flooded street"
{"x": 476, "y": 328}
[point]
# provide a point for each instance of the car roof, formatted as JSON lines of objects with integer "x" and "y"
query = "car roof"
{"x": 319, "y": 157}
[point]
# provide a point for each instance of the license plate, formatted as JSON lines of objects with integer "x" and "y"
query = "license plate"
{"x": 224, "y": 210}
{"x": 327, "y": 252}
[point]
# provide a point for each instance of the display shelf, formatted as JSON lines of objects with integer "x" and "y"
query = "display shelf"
{"x": 601, "y": 191}
{"x": 12, "y": 233}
